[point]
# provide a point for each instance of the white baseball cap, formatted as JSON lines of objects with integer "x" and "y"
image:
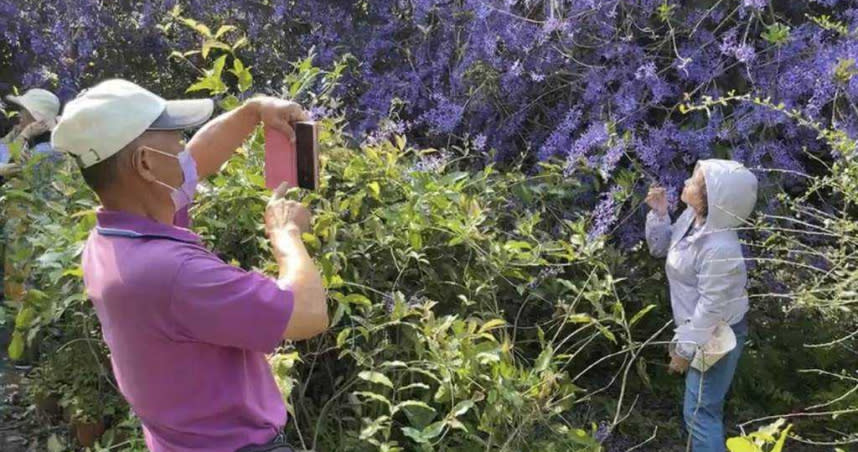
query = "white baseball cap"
{"x": 107, "y": 117}
{"x": 42, "y": 104}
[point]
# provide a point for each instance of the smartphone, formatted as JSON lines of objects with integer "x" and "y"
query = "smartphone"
{"x": 297, "y": 163}
{"x": 307, "y": 144}
{"x": 280, "y": 160}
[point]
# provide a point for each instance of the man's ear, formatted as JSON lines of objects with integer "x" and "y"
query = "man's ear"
{"x": 141, "y": 163}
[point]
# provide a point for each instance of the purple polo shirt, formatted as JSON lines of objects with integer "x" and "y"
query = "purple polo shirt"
{"x": 187, "y": 335}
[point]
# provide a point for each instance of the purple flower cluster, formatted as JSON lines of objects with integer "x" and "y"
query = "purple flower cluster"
{"x": 432, "y": 163}
{"x": 587, "y": 82}
{"x": 605, "y": 215}
{"x": 755, "y": 4}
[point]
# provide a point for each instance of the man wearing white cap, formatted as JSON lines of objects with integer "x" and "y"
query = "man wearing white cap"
{"x": 187, "y": 332}
{"x": 38, "y": 115}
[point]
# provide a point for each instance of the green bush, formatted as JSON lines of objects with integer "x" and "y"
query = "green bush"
{"x": 462, "y": 300}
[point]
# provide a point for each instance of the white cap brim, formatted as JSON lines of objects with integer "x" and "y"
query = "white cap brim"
{"x": 37, "y": 109}
{"x": 17, "y": 101}
{"x": 184, "y": 114}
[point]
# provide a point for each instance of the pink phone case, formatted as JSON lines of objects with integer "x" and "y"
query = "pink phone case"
{"x": 280, "y": 160}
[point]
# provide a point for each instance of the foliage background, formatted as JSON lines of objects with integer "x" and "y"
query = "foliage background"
{"x": 551, "y": 118}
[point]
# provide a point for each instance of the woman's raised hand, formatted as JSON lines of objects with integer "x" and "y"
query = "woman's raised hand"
{"x": 656, "y": 199}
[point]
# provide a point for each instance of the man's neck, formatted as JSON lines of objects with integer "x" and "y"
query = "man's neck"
{"x": 159, "y": 213}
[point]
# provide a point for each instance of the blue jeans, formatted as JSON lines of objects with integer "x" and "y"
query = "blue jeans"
{"x": 705, "y": 393}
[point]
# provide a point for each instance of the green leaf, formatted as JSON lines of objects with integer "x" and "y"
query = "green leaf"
{"x": 16, "y": 346}
{"x": 373, "y": 427}
{"x": 580, "y": 436}
{"x": 240, "y": 43}
{"x": 343, "y": 336}
{"x": 769, "y": 431}
{"x": 212, "y": 81}
{"x": 394, "y": 364}
{"x": 433, "y": 430}
{"x": 213, "y": 44}
{"x": 544, "y": 359}
{"x": 400, "y": 142}
{"x": 334, "y": 282}
{"x": 777, "y": 34}
{"x": 230, "y": 103}
{"x": 375, "y": 377}
{"x": 417, "y": 385}
{"x": 224, "y": 29}
{"x": 412, "y": 403}
{"x": 782, "y": 440}
{"x": 640, "y": 314}
{"x": 245, "y": 78}
{"x": 311, "y": 240}
{"x": 374, "y": 190}
{"x": 24, "y": 318}
{"x": 606, "y": 332}
{"x": 211, "y": 84}
{"x": 419, "y": 413}
{"x": 742, "y": 444}
{"x": 415, "y": 239}
{"x": 490, "y": 325}
{"x": 357, "y": 298}
{"x": 665, "y": 11}
{"x": 374, "y": 396}
{"x": 579, "y": 318}
{"x": 845, "y": 70}
{"x": 198, "y": 27}
{"x": 218, "y": 65}
{"x": 415, "y": 435}
{"x": 75, "y": 271}
{"x": 516, "y": 245}
{"x": 462, "y": 408}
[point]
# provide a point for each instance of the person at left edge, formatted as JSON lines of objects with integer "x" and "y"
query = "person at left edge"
{"x": 32, "y": 131}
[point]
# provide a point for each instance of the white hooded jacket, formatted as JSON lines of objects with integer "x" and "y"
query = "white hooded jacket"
{"x": 706, "y": 269}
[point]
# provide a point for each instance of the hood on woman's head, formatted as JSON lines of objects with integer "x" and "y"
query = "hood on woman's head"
{"x": 731, "y": 192}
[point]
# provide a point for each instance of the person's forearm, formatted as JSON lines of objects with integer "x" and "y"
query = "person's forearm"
{"x": 297, "y": 268}
{"x": 216, "y": 142}
{"x": 298, "y": 272}
{"x": 290, "y": 252}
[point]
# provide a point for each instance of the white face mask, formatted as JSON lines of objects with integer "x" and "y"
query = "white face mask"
{"x": 184, "y": 194}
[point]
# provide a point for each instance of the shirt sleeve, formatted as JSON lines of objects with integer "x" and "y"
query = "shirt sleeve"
{"x": 720, "y": 277}
{"x": 42, "y": 148}
{"x": 217, "y": 303}
{"x": 658, "y": 231}
{"x": 5, "y": 154}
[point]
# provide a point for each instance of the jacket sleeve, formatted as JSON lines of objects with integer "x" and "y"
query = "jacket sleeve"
{"x": 658, "y": 232}
{"x": 721, "y": 276}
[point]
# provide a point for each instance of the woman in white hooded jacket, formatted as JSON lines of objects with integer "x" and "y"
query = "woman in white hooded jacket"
{"x": 707, "y": 276}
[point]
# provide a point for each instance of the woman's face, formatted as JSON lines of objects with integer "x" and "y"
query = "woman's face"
{"x": 694, "y": 192}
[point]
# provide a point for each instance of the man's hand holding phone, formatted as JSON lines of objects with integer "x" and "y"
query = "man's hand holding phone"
{"x": 280, "y": 115}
